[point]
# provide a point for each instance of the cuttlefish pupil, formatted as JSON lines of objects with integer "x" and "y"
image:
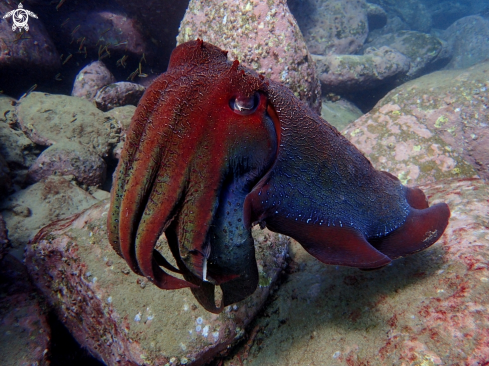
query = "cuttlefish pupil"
{"x": 213, "y": 148}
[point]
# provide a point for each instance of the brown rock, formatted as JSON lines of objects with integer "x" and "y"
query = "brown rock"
{"x": 90, "y": 79}
{"x": 263, "y": 35}
{"x": 118, "y": 95}
{"x": 69, "y": 158}
{"x": 431, "y": 128}
{"x": 122, "y": 318}
{"x": 426, "y": 309}
{"x": 24, "y": 332}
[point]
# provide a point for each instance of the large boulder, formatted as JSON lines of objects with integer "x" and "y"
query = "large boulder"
{"x": 426, "y": 52}
{"x": 332, "y": 26}
{"x": 353, "y": 73}
{"x": 468, "y": 39}
{"x": 30, "y": 209}
{"x": 119, "y": 316}
{"x": 431, "y": 128}
{"x": 263, "y": 35}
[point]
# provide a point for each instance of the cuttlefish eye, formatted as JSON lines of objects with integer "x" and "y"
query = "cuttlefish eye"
{"x": 245, "y": 105}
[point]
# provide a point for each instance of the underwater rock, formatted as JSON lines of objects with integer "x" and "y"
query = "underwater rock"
{"x": 69, "y": 158}
{"x": 90, "y": 79}
{"x": 17, "y": 150}
{"x": 339, "y": 113}
{"x": 24, "y": 332}
{"x": 468, "y": 39}
{"x": 332, "y": 26}
{"x": 120, "y": 316}
{"x": 413, "y": 12}
{"x": 426, "y": 52}
{"x": 377, "y": 17}
{"x": 118, "y": 95}
{"x": 262, "y": 35}
{"x": 426, "y": 309}
{"x": 431, "y": 128}
{"x": 123, "y": 116}
{"x": 29, "y": 52}
{"x": 30, "y": 209}
{"x": 160, "y": 20}
{"x": 50, "y": 118}
{"x": 106, "y": 33}
{"x": 4, "y": 242}
{"x": 352, "y": 73}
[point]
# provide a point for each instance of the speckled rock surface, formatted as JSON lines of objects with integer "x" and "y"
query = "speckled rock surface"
{"x": 332, "y": 26}
{"x": 49, "y": 118}
{"x": 468, "y": 38}
{"x": 431, "y": 128}
{"x": 123, "y": 319}
{"x": 263, "y": 35}
{"x": 90, "y": 79}
{"x": 425, "y": 52}
{"x": 118, "y": 95}
{"x": 69, "y": 158}
{"x": 4, "y": 242}
{"x": 28, "y": 210}
{"x": 18, "y": 151}
{"x": 352, "y": 73}
{"x": 427, "y": 309}
{"x": 24, "y": 332}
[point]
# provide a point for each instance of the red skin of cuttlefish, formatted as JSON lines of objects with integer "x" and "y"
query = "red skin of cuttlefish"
{"x": 214, "y": 148}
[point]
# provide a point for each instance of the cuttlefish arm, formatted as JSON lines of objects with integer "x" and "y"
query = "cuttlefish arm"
{"x": 214, "y": 148}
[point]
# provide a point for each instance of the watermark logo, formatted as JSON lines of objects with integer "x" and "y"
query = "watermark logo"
{"x": 20, "y": 17}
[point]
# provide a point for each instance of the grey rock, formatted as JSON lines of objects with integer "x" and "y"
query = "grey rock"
{"x": 468, "y": 39}
{"x": 426, "y": 52}
{"x": 351, "y": 73}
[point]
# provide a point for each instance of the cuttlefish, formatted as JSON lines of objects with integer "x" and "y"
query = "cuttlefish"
{"x": 214, "y": 148}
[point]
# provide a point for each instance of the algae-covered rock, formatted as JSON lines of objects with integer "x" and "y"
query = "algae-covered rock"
{"x": 119, "y": 316}
{"x": 353, "y": 73}
{"x": 427, "y": 309}
{"x": 431, "y": 128}
{"x": 90, "y": 79}
{"x": 49, "y": 118}
{"x": 425, "y": 52}
{"x": 30, "y": 209}
{"x": 263, "y": 35}
{"x": 332, "y": 26}
{"x": 339, "y": 113}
